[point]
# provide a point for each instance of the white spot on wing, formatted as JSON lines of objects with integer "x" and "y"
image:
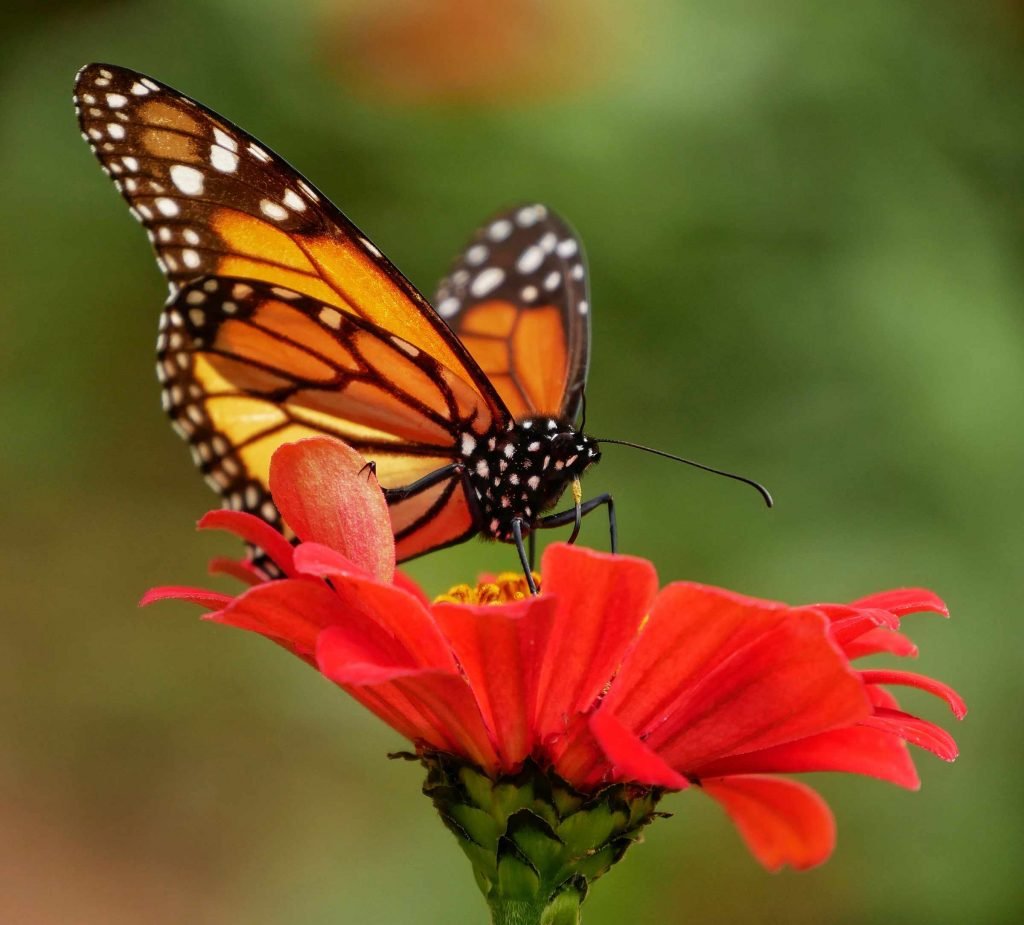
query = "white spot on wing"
{"x": 166, "y": 207}
{"x": 223, "y": 160}
{"x": 187, "y": 179}
{"x": 405, "y": 346}
{"x": 225, "y": 140}
{"x": 487, "y": 281}
{"x": 448, "y": 307}
{"x": 293, "y": 201}
{"x": 500, "y": 230}
{"x": 476, "y": 255}
{"x": 272, "y": 210}
{"x": 530, "y": 259}
{"x": 330, "y": 317}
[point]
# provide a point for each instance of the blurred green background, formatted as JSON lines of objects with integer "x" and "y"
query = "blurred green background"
{"x": 804, "y": 223}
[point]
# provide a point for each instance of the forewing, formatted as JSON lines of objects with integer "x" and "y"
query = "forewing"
{"x": 247, "y": 366}
{"x": 517, "y": 299}
{"x": 215, "y": 201}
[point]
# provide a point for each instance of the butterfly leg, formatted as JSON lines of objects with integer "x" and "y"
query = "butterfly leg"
{"x": 571, "y": 517}
{"x": 431, "y": 478}
{"x": 517, "y": 536}
{"x": 532, "y": 539}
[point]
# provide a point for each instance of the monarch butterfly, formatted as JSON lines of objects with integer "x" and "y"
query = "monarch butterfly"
{"x": 284, "y": 320}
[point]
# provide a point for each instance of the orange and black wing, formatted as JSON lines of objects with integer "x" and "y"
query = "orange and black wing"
{"x": 246, "y": 366}
{"x": 517, "y": 298}
{"x": 214, "y": 201}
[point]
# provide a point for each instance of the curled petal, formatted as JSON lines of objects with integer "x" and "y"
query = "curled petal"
{"x": 880, "y": 640}
{"x": 921, "y": 682}
{"x": 858, "y": 749}
{"x": 242, "y": 569}
{"x": 782, "y": 821}
{"x": 326, "y": 494}
{"x": 915, "y": 730}
{"x": 848, "y": 624}
{"x": 902, "y": 601}
{"x": 211, "y": 600}
{"x": 629, "y": 757}
{"x": 255, "y": 531}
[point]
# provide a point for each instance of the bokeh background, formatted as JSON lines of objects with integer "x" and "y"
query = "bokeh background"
{"x": 804, "y": 223}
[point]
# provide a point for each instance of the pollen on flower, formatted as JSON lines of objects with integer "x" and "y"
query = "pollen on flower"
{"x": 506, "y": 587}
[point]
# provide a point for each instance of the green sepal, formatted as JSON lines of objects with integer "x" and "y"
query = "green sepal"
{"x": 535, "y": 842}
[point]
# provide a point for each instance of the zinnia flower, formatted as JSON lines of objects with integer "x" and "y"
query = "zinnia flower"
{"x": 551, "y": 725}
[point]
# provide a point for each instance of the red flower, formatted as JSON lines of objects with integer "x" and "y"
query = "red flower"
{"x": 602, "y": 677}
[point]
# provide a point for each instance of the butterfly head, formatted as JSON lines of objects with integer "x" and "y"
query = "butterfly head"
{"x": 525, "y": 471}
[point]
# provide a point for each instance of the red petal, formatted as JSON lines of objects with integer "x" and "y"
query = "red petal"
{"x": 404, "y": 582}
{"x": 326, "y": 495}
{"x": 915, "y": 730}
{"x": 848, "y": 624}
{"x": 295, "y": 611}
{"x": 880, "y": 640}
{"x": 716, "y": 673}
{"x": 630, "y": 758}
{"x": 578, "y": 757}
{"x": 242, "y": 569}
{"x": 500, "y": 649}
{"x": 602, "y": 600}
{"x": 921, "y": 682}
{"x": 902, "y": 601}
{"x": 855, "y": 750}
{"x": 397, "y": 612}
{"x": 431, "y": 705}
{"x": 782, "y": 821}
{"x": 211, "y": 600}
{"x": 321, "y": 561}
{"x": 253, "y": 530}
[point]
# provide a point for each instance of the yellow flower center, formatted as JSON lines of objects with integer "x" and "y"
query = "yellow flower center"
{"x": 506, "y": 587}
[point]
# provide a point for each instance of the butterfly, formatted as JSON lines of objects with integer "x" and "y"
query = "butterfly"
{"x": 285, "y": 321}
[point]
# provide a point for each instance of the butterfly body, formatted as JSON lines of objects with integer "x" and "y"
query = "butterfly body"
{"x": 524, "y": 471}
{"x": 284, "y": 321}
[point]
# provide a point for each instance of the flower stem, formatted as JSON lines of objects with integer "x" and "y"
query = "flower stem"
{"x": 564, "y": 909}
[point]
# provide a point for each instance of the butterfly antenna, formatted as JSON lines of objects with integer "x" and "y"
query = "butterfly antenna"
{"x": 583, "y": 416}
{"x": 729, "y": 475}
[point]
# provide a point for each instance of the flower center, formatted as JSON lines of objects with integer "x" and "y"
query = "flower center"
{"x": 503, "y": 589}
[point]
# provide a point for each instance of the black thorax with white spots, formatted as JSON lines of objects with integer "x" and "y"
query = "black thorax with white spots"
{"x": 523, "y": 471}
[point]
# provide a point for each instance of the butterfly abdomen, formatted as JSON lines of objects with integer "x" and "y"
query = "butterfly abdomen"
{"x": 523, "y": 471}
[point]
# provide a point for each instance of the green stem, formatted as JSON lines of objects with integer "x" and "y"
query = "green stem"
{"x": 564, "y": 909}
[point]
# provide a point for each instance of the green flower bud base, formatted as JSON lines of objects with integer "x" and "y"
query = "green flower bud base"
{"x": 534, "y": 841}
